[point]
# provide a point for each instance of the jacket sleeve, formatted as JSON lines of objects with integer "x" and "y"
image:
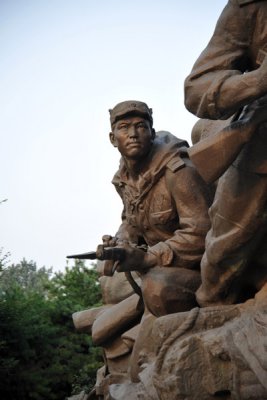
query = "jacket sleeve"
{"x": 192, "y": 198}
{"x": 217, "y": 86}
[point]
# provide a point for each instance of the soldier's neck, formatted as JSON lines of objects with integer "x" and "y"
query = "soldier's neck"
{"x": 135, "y": 168}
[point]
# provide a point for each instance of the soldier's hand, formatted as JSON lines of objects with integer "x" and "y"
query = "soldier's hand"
{"x": 135, "y": 260}
{"x": 256, "y": 112}
{"x": 107, "y": 265}
{"x": 108, "y": 241}
{"x": 262, "y": 70}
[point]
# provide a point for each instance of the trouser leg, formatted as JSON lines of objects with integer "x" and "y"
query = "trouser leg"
{"x": 238, "y": 225}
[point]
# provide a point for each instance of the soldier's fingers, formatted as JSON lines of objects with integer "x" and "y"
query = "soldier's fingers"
{"x": 115, "y": 266}
{"x": 106, "y": 239}
{"x": 112, "y": 242}
{"x": 108, "y": 267}
{"x": 120, "y": 266}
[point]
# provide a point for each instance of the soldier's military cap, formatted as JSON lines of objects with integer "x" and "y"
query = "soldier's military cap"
{"x": 130, "y": 107}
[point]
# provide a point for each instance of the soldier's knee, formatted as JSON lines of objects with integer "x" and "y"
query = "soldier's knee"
{"x": 170, "y": 290}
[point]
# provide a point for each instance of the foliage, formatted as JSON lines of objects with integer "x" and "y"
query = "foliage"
{"x": 41, "y": 355}
{"x": 79, "y": 285}
{"x": 3, "y": 258}
{"x": 26, "y": 276}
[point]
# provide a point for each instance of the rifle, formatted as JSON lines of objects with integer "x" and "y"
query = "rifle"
{"x": 102, "y": 253}
{"x": 110, "y": 253}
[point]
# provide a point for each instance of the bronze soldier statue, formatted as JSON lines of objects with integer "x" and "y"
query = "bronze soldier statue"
{"x": 230, "y": 74}
{"x": 158, "y": 245}
{"x": 165, "y": 206}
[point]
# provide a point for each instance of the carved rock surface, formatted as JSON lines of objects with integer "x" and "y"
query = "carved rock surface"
{"x": 210, "y": 353}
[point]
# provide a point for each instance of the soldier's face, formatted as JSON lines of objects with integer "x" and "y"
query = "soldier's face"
{"x": 133, "y": 136}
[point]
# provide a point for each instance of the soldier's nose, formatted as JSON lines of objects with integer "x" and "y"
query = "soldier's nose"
{"x": 132, "y": 132}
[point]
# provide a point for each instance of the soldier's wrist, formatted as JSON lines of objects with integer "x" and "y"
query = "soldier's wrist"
{"x": 150, "y": 260}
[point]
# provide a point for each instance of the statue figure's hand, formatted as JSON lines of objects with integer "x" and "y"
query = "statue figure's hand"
{"x": 262, "y": 70}
{"x": 135, "y": 260}
{"x": 256, "y": 112}
{"x": 108, "y": 266}
{"x": 109, "y": 241}
{"x": 113, "y": 241}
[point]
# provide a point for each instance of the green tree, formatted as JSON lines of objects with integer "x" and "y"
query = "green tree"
{"x": 3, "y": 259}
{"x": 26, "y": 276}
{"x": 27, "y": 344}
{"x": 74, "y": 290}
{"x": 78, "y": 284}
{"x": 40, "y": 352}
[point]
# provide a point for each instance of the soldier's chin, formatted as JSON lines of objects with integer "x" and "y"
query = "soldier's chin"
{"x": 135, "y": 154}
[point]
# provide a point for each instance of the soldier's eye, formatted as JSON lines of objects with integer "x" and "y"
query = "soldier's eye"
{"x": 123, "y": 126}
{"x": 141, "y": 125}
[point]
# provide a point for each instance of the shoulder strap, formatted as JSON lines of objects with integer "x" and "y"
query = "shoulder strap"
{"x": 175, "y": 164}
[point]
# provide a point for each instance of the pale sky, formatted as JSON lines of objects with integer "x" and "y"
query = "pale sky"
{"x": 64, "y": 63}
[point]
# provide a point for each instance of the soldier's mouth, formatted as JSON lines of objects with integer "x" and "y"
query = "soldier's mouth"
{"x": 134, "y": 144}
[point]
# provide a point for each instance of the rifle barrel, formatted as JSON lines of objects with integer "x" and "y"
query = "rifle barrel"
{"x": 91, "y": 255}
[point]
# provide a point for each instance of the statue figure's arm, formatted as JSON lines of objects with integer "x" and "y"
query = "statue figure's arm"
{"x": 223, "y": 78}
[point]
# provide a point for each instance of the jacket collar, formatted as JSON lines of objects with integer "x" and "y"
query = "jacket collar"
{"x": 165, "y": 147}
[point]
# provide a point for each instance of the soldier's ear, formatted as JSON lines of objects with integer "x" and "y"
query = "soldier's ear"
{"x": 153, "y": 133}
{"x": 112, "y": 139}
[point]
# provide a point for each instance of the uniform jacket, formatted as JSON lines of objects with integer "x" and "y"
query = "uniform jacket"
{"x": 168, "y": 208}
